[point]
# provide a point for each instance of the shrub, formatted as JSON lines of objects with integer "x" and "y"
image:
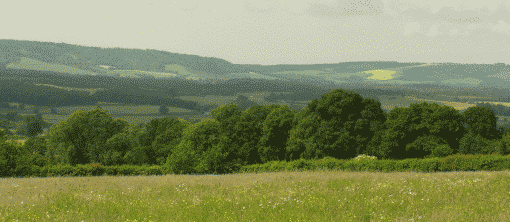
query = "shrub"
{"x": 503, "y": 145}
{"x": 203, "y": 150}
{"x": 8, "y": 154}
{"x": 275, "y": 133}
{"x": 31, "y": 126}
{"x": 36, "y": 149}
{"x": 474, "y": 143}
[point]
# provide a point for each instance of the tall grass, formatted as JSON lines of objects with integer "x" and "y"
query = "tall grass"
{"x": 318, "y": 195}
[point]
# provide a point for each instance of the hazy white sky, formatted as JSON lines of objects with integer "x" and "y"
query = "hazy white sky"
{"x": 276, "y": 31}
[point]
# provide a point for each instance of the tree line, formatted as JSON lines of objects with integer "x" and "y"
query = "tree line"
{"x": 341, "y": 124}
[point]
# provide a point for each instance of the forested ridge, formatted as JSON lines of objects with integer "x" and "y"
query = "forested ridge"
{"x": 340, "y": 124}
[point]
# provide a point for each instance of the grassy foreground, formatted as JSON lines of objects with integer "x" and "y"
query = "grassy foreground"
{"x": 319, "y": 195}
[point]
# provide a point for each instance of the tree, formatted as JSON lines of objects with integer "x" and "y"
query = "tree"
{"x": 163, "y": 110}
{"x": 244, "y": 103}
{"x": 474, "y": 143}
{"x": 36, "y": 148}
{"x": 79, "y": 138}
{"x": 418, "y": 131}
{"x": 21, "y": 106}
{"x": 246, "y": 133}
{"x": 275, "y": 133}
{"x": 164, "y": 143}
{"x": 226, "y": 114}
{"x": 53, "y": 111}
{"x": 482, "y": 133}
{"x": 31, "y": 126}
{"x": 125, "y": 147}
{"x": 8, "y": 155}
{"x": 244, "y": 130}
{"x": 481, "y": 120}
{"x": 202, "y": 150}
{"x": 157, "y": 129}
{"x": 339, "y": 125}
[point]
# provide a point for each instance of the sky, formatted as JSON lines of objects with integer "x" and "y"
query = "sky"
{"x": 269, "y": 32}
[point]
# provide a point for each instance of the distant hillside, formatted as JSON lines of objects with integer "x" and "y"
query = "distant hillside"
{"x": 57, "y": 73}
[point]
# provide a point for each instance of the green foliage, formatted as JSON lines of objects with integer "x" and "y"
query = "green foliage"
{"x": 165, "y": 142}
{"x": 202, "y": 150}
{"x": 437, "y": 146}
{"x": 481, "y": 120}
{"x": 31, "y": 126}
{"x": 276, "y": 131}
{"x": 114, "y": 151}
{"x": 36, "y": 148}
{"x": 136, "y": 156}
{"x": 22, "y": 106}
{"x": 226, "y": 114}
{"x": 503, "y": 146}
{"x": 417, "y": 131}
{"x": 244, "y": 130}
{"x": 163, "y": 110}
{"x": 246, "y": 133}
{"x": 244, "y": 103}
{"x": 166, "y": 131}
{"x": 8, "y": 154}
{"x": 53, "y": 111}
{"x": 78, "y": 139}
{"x": 473, "y": 143}
{"x": 339, "y": 125}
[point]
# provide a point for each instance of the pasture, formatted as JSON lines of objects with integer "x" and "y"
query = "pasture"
{"x": 316, "y": 195}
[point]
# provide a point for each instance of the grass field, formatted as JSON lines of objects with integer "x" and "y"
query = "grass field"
{"x": 282, "y": 196}
{"x": 321, "y": 195}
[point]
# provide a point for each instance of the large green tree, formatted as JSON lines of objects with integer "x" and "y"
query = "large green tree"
{"x": 79, "y": 139}
{"x": 244, "y": 129}
{"x": 165, "y": 135}
{"x": 275, "y": 133}
{"x": 482, "y": 134}
{"x": 422, "y": 130}
{"x": 126, "y": 147}
{"x": 339, "y": 124}
{"x": 203, "y": 149}
{"x": 30, "y": 126}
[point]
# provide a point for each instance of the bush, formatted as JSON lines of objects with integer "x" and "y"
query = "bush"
{"x": 114, "y": 151}
{"x": 473, "y": 143}
{"x": 31, "y": 126}
{"x": 503, "y": 145}
{"x": 276, "y": 128}
{"x": 36, "y": 148}
{"x": 203, "y": 150}
{"x": 8, "y": 154}
{"x": 165, "y": 142}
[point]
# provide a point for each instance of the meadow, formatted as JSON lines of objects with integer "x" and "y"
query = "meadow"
{"x": 291, "y": 195}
